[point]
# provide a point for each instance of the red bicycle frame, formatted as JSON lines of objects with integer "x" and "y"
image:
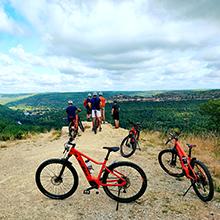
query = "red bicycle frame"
{"x": 185, "y": 161}
{"x": 134, "y": 131}
{"x": 97, "y": 180}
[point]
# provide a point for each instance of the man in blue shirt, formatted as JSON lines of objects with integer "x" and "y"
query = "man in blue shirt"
{"x": 72, "y": 117}
{"x": 96, "y": 110}
{"x": 87, "y": 105}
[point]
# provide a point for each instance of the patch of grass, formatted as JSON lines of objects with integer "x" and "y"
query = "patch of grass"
{"x": 55, "y": 134}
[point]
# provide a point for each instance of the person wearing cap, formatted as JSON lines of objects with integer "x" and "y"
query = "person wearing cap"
{"x": 87, "y": 105}
{"x": 103, "y": 101}
{"x": 115, "y": 113}
{"x": 71, "y": 111}
{"x": 96, "y": 109}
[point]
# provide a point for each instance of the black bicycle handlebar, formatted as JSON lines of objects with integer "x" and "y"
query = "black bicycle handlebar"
{"x": 172, "y": 136}
{"x": 135, "y": 124}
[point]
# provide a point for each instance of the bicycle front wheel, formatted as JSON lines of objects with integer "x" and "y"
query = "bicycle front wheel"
{"x": 128, "y": 146}
{"x": 51, "y": 183}
{"x": 170, "y": 163}
{"x": 136, "y": 182}
{"x": 203, "y": 187}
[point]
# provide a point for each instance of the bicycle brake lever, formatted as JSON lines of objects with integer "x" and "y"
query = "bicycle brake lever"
{"x": 168, "y": 141}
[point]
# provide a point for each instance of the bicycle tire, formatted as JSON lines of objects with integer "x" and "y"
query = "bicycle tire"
{"x": 95, "y": 125}
{"x": 178, "y": 167}
{"x": 116, "y": 167}
{"x": 81, "y": 125}
{"x": 52, "y": 179}
{"x": 127, "y": 149}
{"x": 72, "y": 132}
{"x": 201, "y": 180}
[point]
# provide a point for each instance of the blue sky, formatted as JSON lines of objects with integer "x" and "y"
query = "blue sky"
{"x": 80, "y": 45}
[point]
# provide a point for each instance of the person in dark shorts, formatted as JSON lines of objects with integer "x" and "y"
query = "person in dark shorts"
{"x": 87, "y": 105}
{"x": 115, "y": 113}
{"x": 96, "y": 110}
{"x": 72, "y": 117}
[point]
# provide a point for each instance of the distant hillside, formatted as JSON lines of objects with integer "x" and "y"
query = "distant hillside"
{"x": 6, "y": 98}
{"x": 59, "y": 100}
{"x": 189, "y": 95}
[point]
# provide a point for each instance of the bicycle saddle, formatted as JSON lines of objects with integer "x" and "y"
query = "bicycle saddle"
{"x": 191, "y": 145}
{"x": 114, "y": 149}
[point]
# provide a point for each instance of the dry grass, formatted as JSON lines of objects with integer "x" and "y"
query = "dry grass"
{"x": 151, "y": 138}
{"x": 207, "y": 150}
{"x": 55, "y": 134}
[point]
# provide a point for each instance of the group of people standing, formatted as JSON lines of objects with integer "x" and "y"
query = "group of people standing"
{"x": 95, "y": 108}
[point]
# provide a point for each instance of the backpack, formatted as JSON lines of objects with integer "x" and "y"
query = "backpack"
{"x": 85, "y": 103}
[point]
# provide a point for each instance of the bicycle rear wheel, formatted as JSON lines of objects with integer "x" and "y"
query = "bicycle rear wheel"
{"x": 81, "y": 125}
{"x": 51, "y": 183}
{"x": 136, "y": 182}
{"x": 128, "y": 146}
{"x": 203, "y": 187}
{"x": 96, "y": 125}
{"x": 170, "y": 163}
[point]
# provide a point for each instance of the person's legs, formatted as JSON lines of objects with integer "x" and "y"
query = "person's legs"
{"x": 116, "y": 123}
{"x": 70, "y": 125}
{"x": 88, "y": 116}
{"x": 99, "y": 116}
{"x": 93, "y": 118}
{"x": 76, "y": 122}
{"x": 103, "y": 115}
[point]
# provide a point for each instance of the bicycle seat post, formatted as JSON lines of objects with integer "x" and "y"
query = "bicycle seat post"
{"x": 107, "y": 155}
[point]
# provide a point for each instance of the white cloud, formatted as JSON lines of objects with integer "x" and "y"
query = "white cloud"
{"x": 119, "y": 44}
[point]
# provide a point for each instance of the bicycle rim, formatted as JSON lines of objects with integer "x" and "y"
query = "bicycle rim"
{"x": 53, "y": 186}
{"x": 136, "y": 182}
{"x": 170, "y": 163}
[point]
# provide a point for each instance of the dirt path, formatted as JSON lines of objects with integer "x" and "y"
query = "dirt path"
{"x": 20, "y": 198}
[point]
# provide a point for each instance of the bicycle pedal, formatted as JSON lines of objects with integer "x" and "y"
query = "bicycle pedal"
{"x": 86, "y": 192}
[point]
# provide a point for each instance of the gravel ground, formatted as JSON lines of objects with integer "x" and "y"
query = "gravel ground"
{"x": 20, "y": 198}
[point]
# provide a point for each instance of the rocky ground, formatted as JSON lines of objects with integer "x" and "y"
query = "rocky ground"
{"x": 20, "y": 198}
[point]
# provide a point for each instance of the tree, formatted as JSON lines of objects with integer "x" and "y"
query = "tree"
{"x": 212, "y": 109}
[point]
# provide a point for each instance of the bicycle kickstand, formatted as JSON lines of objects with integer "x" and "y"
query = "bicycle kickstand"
{"x": 138, "y": 147}
{"x": 187, "y": 190}
{"x": 119, "y": 190}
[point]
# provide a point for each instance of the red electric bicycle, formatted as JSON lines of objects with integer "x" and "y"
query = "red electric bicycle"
{"x": 177, "y": 163}
{"x": 130, "y": 142}
{"x": 122, "y": 181}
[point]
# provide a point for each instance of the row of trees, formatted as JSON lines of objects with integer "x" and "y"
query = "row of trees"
{"x": 194, "y": 116}
{"x": 190, "y": 116}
